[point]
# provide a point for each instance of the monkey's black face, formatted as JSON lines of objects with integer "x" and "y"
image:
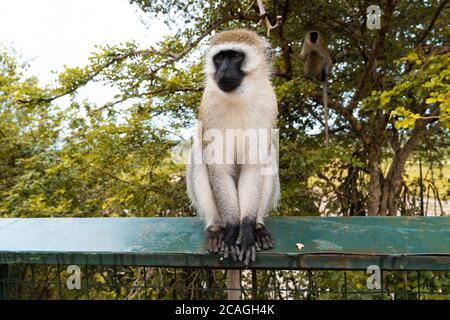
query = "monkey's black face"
{"x": 229, "y": 74}
{"x": 313, "y": 35}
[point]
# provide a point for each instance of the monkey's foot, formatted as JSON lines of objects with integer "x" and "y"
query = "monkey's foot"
{"x": 229, "y": 246}
{"x": 215, "y": 235}
{"x": 264, "y": 238}
{"x": 247, "y": 241}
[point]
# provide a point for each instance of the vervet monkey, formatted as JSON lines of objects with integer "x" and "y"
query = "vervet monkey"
{"x": 233, "y": 196}
{"x": 317, "y": 66}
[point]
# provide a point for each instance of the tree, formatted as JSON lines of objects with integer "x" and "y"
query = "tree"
{"x": 365, "y": 67}
{"x": 388, "y": 94}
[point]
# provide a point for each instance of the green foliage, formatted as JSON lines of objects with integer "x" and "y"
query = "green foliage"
{"x": 57, "y": 163}
{"x": 112, "y": 159}
{"x": 426, "y": 84}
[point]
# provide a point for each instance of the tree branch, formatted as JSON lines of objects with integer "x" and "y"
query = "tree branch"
{"x": 347, "y": 114}
{"x": 378, "y": 46}
{"x": 148, "y": 93}
{"x": 418, "y": 131}
{"x": 264, "y": 17}
{"x": 432, "y": 22}
{"x": 173, "y": 57}
{"x": 286, "y": 50}
{"x": 335, "y": 188}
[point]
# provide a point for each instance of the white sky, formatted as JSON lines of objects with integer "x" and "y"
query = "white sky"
{"x": 52, "y": 33}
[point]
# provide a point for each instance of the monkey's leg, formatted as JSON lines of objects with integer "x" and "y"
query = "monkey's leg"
{"x": 270, "y": 192}
{"x": 225, "y": 193}
{"x": 201, "y": 196}
{"x": 249, "y": 189}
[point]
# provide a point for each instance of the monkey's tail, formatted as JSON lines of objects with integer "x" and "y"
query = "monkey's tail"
{"x": 325, "y": 110}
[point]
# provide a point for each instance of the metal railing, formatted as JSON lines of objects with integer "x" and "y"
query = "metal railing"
{"x": 166, "y": 258}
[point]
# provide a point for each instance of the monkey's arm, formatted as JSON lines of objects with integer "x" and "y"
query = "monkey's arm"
{"x": 270, "y": 193}
{"x": 225, "y": 194}
{"x": 304, "y": 53}
{"x": 200, "y": 194}
{"x": 307, "y": 47}
{"x": 249, "y": 189}
{"x": 202, "y": 198}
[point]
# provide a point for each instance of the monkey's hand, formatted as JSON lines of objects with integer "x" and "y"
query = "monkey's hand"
{"x": 229, "y": 246}
{"x": 247, "y": 241}
{"x": 214, "y": 235}
{"x": 264, "y": 238}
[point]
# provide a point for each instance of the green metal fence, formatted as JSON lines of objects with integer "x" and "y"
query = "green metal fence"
{"x": 166, "y": 258}
{"x": 107, "y": 282}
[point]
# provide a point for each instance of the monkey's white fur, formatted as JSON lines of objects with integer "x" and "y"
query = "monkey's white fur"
{"x": 226, "y": 193}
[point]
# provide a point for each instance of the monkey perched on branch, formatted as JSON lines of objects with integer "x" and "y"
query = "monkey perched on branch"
{"x": 317, "y": 66}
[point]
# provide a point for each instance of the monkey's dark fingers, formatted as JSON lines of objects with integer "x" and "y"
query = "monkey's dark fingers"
{"x": 217, "y": 243}
{"x": 250, "y": 255}
{"x": 215, "y": 236}
{"x": 214, "y": 245}
{"x": 270, "y": 242}
{"x": 265, "y": 245}
{"x": 234, "y": 253}
{"x": 247, "y": 258}
{"x": 258, "y": 239}
{"x": 264, "y": 237}
{"x": 210, "y": 245}
{"x": 258, "y": 246}
{"x": 243, "y": 253}
{"x": 230, "y": 250}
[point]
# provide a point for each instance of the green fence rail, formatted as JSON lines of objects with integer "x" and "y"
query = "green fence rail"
{"x": 393, "y": 243}
{"x": 327, "y": 243}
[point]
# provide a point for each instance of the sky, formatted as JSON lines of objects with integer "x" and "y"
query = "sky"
{"x": 52, "y": 33}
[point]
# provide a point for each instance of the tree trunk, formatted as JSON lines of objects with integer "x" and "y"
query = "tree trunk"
{"x": 393, "y": 184}
{"x": 375, "y": 180}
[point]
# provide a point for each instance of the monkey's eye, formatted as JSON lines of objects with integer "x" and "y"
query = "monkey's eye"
{"x": 237, "y": 57}
{"x": 218, "y": 58}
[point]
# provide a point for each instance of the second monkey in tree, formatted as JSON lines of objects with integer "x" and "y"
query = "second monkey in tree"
{"x": 317, "y": 66}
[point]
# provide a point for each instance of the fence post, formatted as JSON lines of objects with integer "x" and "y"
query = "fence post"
{"x": 254, "y": 285}
{"x": 234, "y": 283}
{"x": 3, "y": 281}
